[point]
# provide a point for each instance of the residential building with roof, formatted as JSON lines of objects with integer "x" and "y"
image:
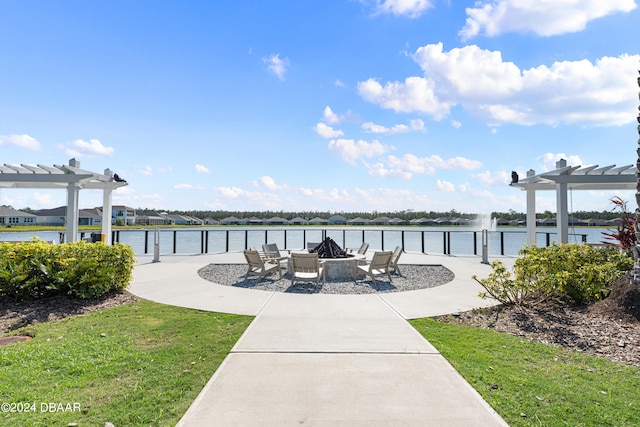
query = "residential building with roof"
{"x": 359, "y": 221}
{"x": 146, "y": 217}
{"x": 232, "y": 220}
{"x": 298, "y": 221}
{"x": 276, "y": 221}
{"x": 182, "y": 219}
{"x": 318, "y": 221}
{"x": 58, "y": 216}
{"x": 125, "y": 213}
{"x": 337, "y": 220}
{"x": 10, "y": 216}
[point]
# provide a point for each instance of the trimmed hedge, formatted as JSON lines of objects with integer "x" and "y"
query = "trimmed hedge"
{"x": 84, "y": 270}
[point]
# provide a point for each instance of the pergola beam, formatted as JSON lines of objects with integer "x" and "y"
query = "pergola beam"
{"x": 71, "y": 178}
{"x": 565, "y": 178}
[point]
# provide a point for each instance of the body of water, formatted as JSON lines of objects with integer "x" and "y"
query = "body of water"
{"x": 435, "y": 240}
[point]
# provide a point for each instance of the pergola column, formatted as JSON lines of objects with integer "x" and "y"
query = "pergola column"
{"x": 562, "y": 213}
{"x": 107, "y": 210}
{"x": 73, "y": 192}
{"x": 531, "y": 216}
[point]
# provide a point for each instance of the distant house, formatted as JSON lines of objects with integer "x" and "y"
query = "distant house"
{"x": 359, "y": 221}
{"x": 318, "y": 221}
{"x": 276, "y": 221}
{"x": 597, "y": 222}
{"x": 614, "y": 222}
{"x": 381, "y": 220}
{"x": 547, "y": 222}
{"x": 576, "y": 221}
{"x": 460, "y": 221}
{"x": 90, "y": 216}
{"x": 254, "y": 220}
{"x": 504, "y": 221}
{"x": 55, "y": 217}
{"x": 58, "y": 216}
{"x": 298, "y": 221}
{"x": 232, "y": 220}
{"x": 150, "y": 218}
{"x": 337, "y": 220}
{"x": 423, "y": 221}
{"x": 397, "y": 221}
{"x": 182, "y": 219}
{"x": 447, "y": 220}
{"x": 10, "y": 216}
{"x": 211, "y": 221}
{"x": 124, "y": 213}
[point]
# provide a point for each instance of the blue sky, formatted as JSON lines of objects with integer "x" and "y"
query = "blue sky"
{"x": 299, "y": 105}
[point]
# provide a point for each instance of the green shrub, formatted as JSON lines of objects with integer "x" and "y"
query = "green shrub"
{"x": 84, "y": 270}
{"x": 581, "y": 273}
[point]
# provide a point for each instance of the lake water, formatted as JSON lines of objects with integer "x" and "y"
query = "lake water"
{"x": 435, "y": 240}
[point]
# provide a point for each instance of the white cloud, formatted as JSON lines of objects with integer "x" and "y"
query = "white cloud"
{"x": 146, "y": 170}
{"x": 601, "y": 93}
{"x": 544, "y": 18}
{"x": 92, "y": 148}
{"x": 416, "y": 94}
{"x": 488, "y": 178}
{"x": 350, "y": 150}
{"x": 231, "y": 192}
{"x": 23, "y": 141}
{"x": 326, "y": 131}
{"x": 270, "y": 183}
{"x": 469, "y": 71}
{"x": 414, "y": 126}
{"x": 20, "y": 199}
{"x": 248, "y": 199}
{"x": 548, "y": 160}
{"x": 409, "y": 8}
{"x": 445, "y": 186}
{"x": 188, "y": 187}
{"x": 330, "y": 117}
{"x": 456, "y": 124}
{"x": 202, "y": 169}
{"x": 408, "y": 165}
{"x": 277, "y": 65}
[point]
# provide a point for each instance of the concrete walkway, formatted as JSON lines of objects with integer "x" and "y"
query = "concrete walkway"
{"x": 320, "y": 359}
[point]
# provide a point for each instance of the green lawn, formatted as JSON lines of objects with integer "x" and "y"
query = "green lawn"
{"x": 143, "y": 364}
{"x": 139, "y": 364}
{"x": 533, "y": 384}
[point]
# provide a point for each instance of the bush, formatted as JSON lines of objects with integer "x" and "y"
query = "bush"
{"x": 84, "y": 270}
{"x": 581, "y": 273}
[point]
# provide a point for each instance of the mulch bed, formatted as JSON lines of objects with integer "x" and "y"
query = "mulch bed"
{"x": 17, "y": 314}
{"x": 609, "y": 328}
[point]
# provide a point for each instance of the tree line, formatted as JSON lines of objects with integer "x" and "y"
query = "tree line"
{"x": 407, "y": 215}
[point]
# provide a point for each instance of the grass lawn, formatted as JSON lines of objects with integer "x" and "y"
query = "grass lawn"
{"x": 139, "y": 364}
{"x": 533, "y": 384}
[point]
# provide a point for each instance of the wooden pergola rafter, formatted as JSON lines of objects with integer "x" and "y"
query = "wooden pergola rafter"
{"x": 565, "y": 178}
{"x": 71, "y": 178}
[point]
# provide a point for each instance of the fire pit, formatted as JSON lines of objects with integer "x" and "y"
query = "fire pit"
{"x": 330, "y": 249}
{"x": 338, "y": 264}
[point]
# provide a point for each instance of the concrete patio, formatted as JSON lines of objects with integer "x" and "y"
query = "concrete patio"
{"x": 325, "y": 359}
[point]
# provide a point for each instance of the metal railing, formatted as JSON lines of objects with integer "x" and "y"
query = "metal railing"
{"x": 446, "y": 242}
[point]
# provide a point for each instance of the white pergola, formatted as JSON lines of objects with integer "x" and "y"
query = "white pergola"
{"x": 564, "y": 178}
{"x": 71, "y": 178}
